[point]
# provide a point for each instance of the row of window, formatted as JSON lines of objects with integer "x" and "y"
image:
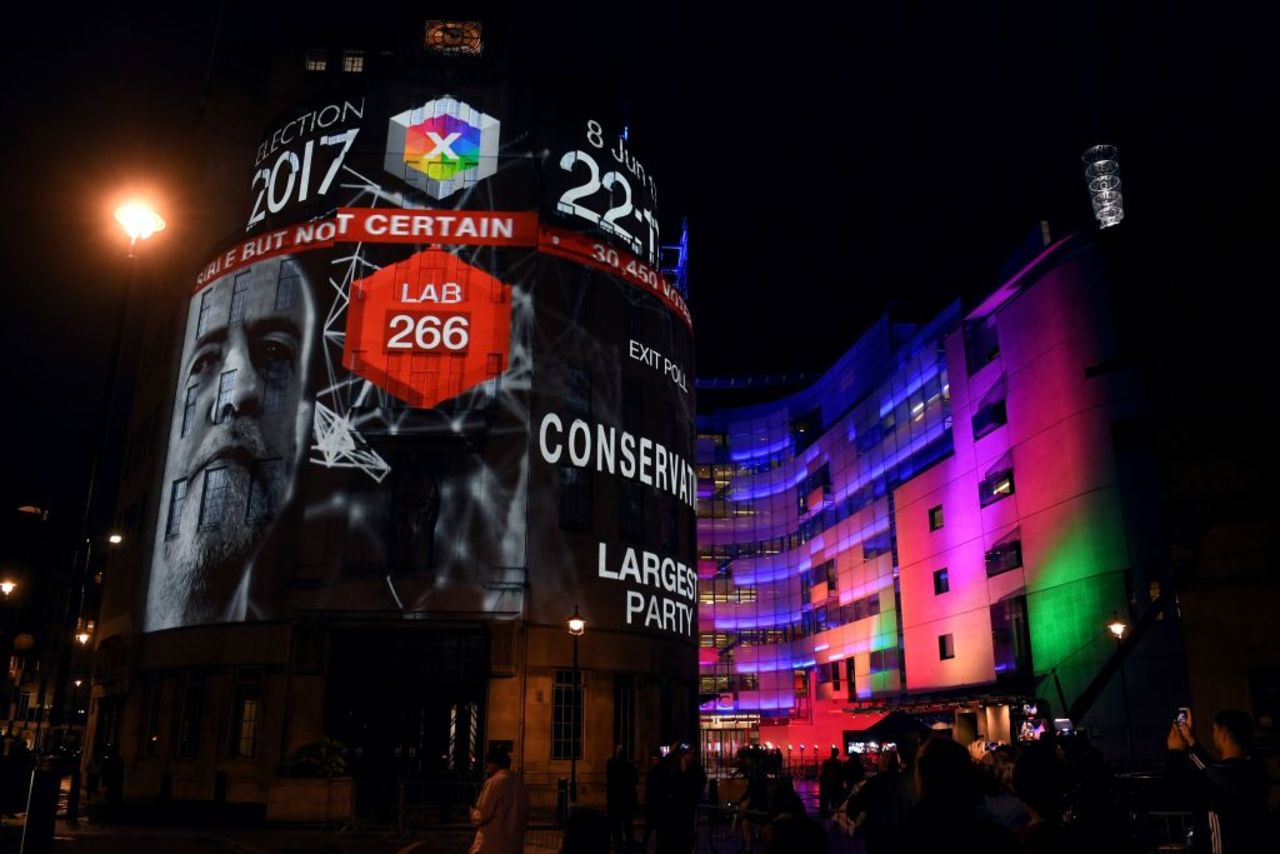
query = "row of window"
{"x": 838, "y": 512}
{"x": 265, "y": 477}
{"x": 318, "y": 60}
{"x": 244, "y": 719}
{"x": 287, "y": 286}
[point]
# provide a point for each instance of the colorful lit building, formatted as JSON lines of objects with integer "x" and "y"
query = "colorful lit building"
{"x": 941, "y": 523}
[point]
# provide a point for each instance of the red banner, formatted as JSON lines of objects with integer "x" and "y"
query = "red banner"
{"x": 450, "y": 228}
{"x": 616, "y": 262}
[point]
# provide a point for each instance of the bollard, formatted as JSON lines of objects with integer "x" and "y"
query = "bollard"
{"x": 42, "y": 808}
{"x": 562, "y": 802}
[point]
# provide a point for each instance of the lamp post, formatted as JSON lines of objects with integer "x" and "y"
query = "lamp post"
{"x": 577, "y": 628}
{"x": 139, "y": 221}
{"x": 1118, "y": 627}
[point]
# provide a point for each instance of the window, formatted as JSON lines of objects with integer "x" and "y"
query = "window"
{"x": 192, "y": 710}
{"x": 239, "y": 298}
{"x": 884, "y": 659}
{"x": 946, "y": 647}
{"x": 206, "y": 306}
{"x": 877, "y": 545}
{"x": 998, "y": 483}
{"x": 624, "y": 713}
{"x": 287, "y": 285}
{"x": 264, "y": 489}
{"x": 941, "y": 582}
{"x": 835, "y": 675}
{"x": 177, "y": 496}
{"x": 189, "y": 410}
{"x": 935, "y": 518}
{"x": 566, "y": 716}
{"x": 989, "y": 417}
{"x": 575, "y": 499}
{"x": 670, "y": 523}
{"x": 216, "y": 483}
{"x": 226, "y": 392}
{"x": 981, "y": 343}
{"x": 631, "y": 510}
{"x": 1011, "y": 641}
{"x": 577, "y": 393}
{"x": 317, "y": 59}
{"x": 353, "y": 61}
{"x": 246, "y": 705}
{"x": 275, "y": 382}
{"x": 1005, "y": 554}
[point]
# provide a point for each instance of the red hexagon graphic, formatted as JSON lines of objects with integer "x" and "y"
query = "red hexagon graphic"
{"x": 428, "y": 328}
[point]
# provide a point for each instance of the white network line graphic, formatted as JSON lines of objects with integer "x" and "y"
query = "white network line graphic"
{"x": 343, "y": 406}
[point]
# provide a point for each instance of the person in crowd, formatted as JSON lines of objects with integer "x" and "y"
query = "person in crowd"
{"x": 784, "y": 800}
{"x": 949, "y": 811}
{"x": 502, "y": 810}
{"x": 686, "y": 780}
{"x": 653, "y": 793}
{"x": 999, "y": 801}
{"x": 754, "y": 804}
{"x": 1232, "y": 791}
{"x": 620, "y": 795}
{"x": 1041, "y": 779}
{"x": 882, "y": 806}
{"x": 830, "y": 784}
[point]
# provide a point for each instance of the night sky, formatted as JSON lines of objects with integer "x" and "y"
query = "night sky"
{"x": 831, "y": 164}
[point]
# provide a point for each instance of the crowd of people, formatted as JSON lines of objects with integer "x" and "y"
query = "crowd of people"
{"x": 1055, "y": 794}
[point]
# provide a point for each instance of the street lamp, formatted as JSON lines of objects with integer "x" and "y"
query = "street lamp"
{"x": 115, "y": 539}
{"x": 1118, "y": 627}
{"x": 7, "y": 587}
{"x": 577, "y": 628}
{"x": 139, "y": 221}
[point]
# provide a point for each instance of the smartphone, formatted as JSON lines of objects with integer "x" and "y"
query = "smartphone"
{"x": 1184, "y": 715}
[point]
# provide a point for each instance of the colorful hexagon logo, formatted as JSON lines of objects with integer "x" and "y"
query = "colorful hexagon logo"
{"x": 442, "y": 146}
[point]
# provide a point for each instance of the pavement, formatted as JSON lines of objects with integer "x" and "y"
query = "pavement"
{"x": 87, "y": 836}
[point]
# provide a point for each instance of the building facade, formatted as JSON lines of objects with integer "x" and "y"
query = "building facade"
{"x": 427, "y": 402}
{"x": 941, "y": 524}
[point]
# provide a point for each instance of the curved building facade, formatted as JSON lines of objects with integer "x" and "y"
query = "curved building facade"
{"x": 944, "y": 523}
{"x": 427, "y": 400}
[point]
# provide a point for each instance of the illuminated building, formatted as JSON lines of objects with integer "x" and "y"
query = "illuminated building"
{"x": 938, "y": 524}
{"x": 426, "y": 400}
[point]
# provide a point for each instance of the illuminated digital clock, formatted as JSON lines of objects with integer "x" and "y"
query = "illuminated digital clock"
{"x": 609, "y": 188}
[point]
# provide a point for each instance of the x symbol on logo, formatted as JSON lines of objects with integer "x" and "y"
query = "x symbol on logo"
{"x": 444, "y": 147}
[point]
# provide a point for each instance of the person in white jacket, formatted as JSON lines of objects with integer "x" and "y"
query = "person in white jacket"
{"x": 502, "y": 810}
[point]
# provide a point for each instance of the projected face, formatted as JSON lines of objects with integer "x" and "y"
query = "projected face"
{"x": 239, "y": 431}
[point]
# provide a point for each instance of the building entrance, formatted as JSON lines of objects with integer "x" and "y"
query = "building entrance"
{"x": 408, "y": 703}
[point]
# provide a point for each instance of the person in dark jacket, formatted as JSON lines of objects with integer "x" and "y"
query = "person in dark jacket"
{"x": 1233, "y": 790}
{"x": 653, "y": 786}
{"x": 948, "y": 816}
{"x": 620, "y": 795}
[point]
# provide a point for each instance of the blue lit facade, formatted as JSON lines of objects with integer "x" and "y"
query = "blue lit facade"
{"x": 796, "y": 539}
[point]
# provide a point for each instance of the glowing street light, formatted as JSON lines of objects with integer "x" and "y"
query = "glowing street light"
{"x": 577, "y": 625}
{"x": 577, "y": 628}
{"x": 83, "y": 637}
{"x": 1117, "y": 627}
{"x": 8, "y": 586}
{"x": 139, "y": 221}
{"x": 115, "y": 539}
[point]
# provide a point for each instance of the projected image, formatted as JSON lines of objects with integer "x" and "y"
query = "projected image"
{"x": 240, "y": 429}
